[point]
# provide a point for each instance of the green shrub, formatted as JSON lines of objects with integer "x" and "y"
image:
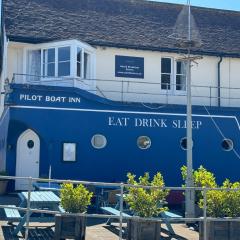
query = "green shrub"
{"x": 146, "y": 202}
{"x": 75, "y": 199}
{"x": 201, "y": 178}
{"x": 220, "y": 203}
{"x": 223, "y": 203}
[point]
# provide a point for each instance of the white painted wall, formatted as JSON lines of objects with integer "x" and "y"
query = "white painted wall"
{"x": 204, "y": 75}
{"x": 15, "y": 61}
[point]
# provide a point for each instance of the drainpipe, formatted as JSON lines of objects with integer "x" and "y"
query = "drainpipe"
{"x": 219, "y": 81}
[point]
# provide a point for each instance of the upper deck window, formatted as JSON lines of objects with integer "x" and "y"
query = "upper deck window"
{"x": 79, "y": 62}
{"x": 60, "y": 59}
{"x": 173, "y": 76}
{"x": 64, "y": 61}
{"x": 180, "y": 76}
{"x": 56, "y": 62}
{"x": 166, "y": 73}
{"x": 49, "y": 62}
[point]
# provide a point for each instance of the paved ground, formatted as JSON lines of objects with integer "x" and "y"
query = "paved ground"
{"x": 96, "y": 228}
{"x": 98, "y": 231}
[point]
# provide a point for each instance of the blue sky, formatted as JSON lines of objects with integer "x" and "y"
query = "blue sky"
{"x": 222, "y": 4}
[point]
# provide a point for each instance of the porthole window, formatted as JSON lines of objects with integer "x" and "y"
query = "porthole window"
{"x": 144, "y": 142}
{"x": 227, "y": 144}
{"x": 30, "y": 144}
{"x": 99, "y": 141}
{"x": 183, "y": 143}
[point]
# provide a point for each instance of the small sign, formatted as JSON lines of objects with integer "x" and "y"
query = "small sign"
{"x": 129, "y": 67}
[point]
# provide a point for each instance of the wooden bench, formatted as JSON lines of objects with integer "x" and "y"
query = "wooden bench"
{"x": 12, "y": 214}
{"x": 113, "y": 211}
{"x": 166, "y": 215}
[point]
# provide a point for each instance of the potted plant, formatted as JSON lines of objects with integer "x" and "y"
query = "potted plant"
{"x": 222, "y": 204}
{"x": 3, "y": 183}
{"x": 73, "y": 200}
{"x": 145, "y": 203}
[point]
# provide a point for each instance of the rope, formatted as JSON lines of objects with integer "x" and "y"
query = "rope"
{"x": 219, "y": 129}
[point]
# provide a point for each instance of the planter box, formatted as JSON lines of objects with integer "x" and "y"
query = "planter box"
{"x": 220, "y": 230}
{"x": 143, "y": 230}
{"x": 70, "y": 227}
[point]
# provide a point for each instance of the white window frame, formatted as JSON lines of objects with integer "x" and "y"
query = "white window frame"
{"x": 56, "y": 62}
{"x": 173, "y": 78}
{"x": 167, "y": 91}
{"x": 73, "y": 44}
{"x": 179, "y": 92}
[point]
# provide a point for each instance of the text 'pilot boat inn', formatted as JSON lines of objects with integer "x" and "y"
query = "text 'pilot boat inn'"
{"x": 97, "y": 88}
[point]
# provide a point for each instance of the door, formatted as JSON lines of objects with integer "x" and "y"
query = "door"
{"x": 27, "y": 160}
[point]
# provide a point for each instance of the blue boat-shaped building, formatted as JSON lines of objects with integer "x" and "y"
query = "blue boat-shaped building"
{"x": 94, "y": 89}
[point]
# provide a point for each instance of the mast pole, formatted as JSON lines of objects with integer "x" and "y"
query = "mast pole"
{"x": 190, "y": 193}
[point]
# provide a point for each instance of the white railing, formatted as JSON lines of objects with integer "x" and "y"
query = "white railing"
{"x": 121, "y": 186}
{"x": 141, "y": 91}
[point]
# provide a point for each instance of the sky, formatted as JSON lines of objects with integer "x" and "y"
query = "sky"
{"x": 221, "y": 4}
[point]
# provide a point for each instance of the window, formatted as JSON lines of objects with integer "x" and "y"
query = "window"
{"x": 144, "y": 142}
{"x": 30, "y": 144}
{"x": 33, "y": 65}
{"x": 79, "y": 62}
{"x": 166, "y": 73}
{"x": 99, "y": 141}
{"x": 86, "y": 65}
{"x": 64, "y": 61}
{"x": 69, "y": 152}
{"x": 180, "y": 76}
{"x": 227, "y": 144}
{"x": 183, "y": 143}
{"x": 49, "y": 62}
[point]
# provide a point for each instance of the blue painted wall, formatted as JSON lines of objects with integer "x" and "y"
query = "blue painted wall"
{"x": 4, "y": 121}
{"x": 58, "y": 122}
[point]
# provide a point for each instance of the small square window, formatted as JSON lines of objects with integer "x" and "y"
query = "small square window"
{"x": 69, "y": 152}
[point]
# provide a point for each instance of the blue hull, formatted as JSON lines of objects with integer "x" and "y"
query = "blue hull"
{"x": 61, "y": 115}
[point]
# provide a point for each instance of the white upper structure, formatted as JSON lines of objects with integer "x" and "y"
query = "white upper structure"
{"x": 130, "y": 59}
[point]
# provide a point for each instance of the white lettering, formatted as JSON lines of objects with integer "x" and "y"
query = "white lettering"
{"x": 27, "y": 97}
{"x": 74, "y": 99}
{"x": 121, "y": 122}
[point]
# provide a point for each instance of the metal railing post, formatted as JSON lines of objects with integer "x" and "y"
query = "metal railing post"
{"x": 122, "y": 91}
{"x": 210, "y": 96}
{"x": 121, "y": 212}
{"x": 205, "y": 214}
{"x": 28, "y": 208}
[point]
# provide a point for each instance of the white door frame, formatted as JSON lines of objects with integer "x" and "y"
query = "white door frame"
{"x": 27, "y": 158}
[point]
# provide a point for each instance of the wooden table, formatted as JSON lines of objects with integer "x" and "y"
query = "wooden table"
{"x": 45, "y": 186}
{"x": 38, "y": 200}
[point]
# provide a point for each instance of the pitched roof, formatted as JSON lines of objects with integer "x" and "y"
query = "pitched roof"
{"x": 135, "y": 24}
